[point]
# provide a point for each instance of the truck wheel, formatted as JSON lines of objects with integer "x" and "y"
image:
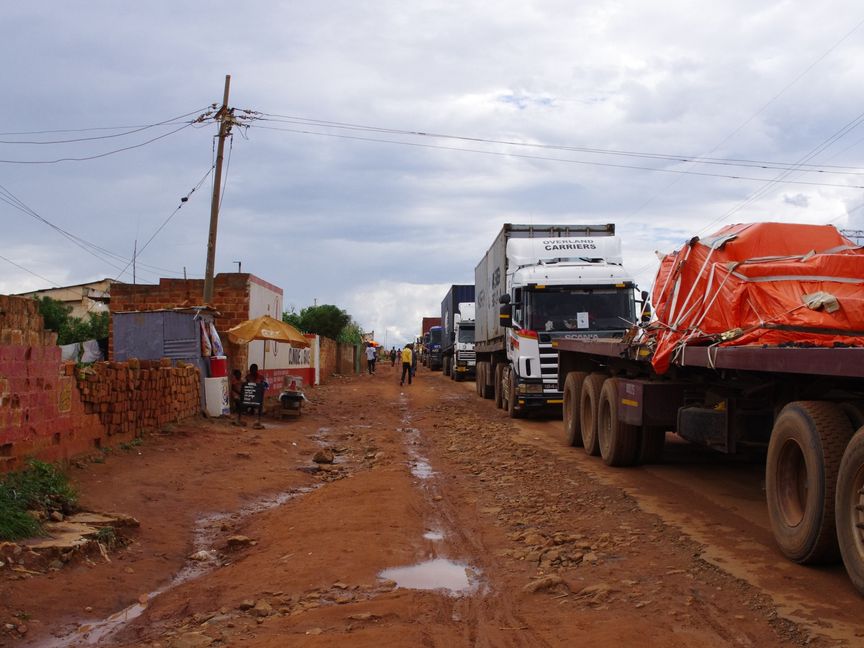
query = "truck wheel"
{"x": 572, "y": 391}
{"x": 855, "y": 411}
{"x": 478, "y": 378}
{"x": 804, "y": 454}
{"x": 513, "y": 399}
{"x": 849, "y": 509}
{"x": 497, "y": 388}
{"x": 589, "y": 399}
{"x": 652, "y": 440}
{"x": 445, "y": 367}
{"x": 487, "y": 388}
{"x": 619, "y": 442}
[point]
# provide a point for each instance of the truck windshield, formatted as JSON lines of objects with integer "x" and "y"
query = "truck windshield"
{"x": 466, "y": 334}
{"x": 435, "y": 336}
{"x": 586, "y": 309}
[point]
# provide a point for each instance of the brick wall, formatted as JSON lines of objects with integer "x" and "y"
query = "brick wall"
{"x": 337, "y": 358}
{"x": 50, "y": 411}
{"x": 230, "y": 298}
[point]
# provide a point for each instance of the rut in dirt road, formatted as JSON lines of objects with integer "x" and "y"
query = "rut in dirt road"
{"x": 535, "y": 551}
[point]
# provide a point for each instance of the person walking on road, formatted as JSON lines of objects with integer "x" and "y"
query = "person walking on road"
{"x": 407, "y": 358}
{"x": 393, "y": 354}
{"x": 371, "y": 354}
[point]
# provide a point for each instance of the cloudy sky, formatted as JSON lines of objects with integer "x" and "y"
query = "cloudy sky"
{"x": 388, "y": 141}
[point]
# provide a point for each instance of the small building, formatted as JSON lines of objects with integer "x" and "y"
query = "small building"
{"x": 237, "y": 297}
{"x": 91, "y": 297}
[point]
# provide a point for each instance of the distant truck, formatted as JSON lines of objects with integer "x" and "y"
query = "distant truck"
{"x": 426, "y": 324}
{"x": 457, "y": 322}
{"x": 432, "y": 351}
{"x": 756, "y": 345}
{"x": 538, "y": 284}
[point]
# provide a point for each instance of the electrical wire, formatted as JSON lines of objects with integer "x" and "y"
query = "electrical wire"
{"x": 200, "y": 111}
{"x": 20, "y": 267}
{"x": 99, "y": 155}
{"x": 759, "y": 164}
{"x": 183, "y": 201}
{"x": 550, "y": 159}
{"x": 127, "y": 131}
{"x": 94, "y": 250}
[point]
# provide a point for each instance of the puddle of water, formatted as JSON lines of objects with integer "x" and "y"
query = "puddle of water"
{"x": 438, "y": 574}
{"x": 421, "y": 469}
{"x": 434, "y": 535}
{"x": 206, "y": 530}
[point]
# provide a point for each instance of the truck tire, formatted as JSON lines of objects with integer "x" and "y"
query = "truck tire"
{"x": 652, "y": 440}
{"x": 478, "y": 378}
{"x": 497, "y": 388}
{"x": 572, "y": 391}
{"x": 485, "y": 386}
{"x": 619, "y": 442}
{"x": 589, "y": 399}
{"x": 855, "y": 411}
{"x": 445, "y": 366}
{"x": 804, "y": 454}
{"x": 849, "y": 509}
{"x": 513, "y": 398}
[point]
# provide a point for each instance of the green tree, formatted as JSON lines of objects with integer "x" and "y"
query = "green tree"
{"x": 58, "y": 318}
{"x": 326, "y": 320}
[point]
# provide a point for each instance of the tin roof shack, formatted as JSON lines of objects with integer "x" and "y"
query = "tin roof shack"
{"x": 170, "y": 333}
{"x": 238, "y": 297}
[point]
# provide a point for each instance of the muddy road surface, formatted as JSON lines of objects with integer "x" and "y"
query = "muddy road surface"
{"x": 440, "y": 522}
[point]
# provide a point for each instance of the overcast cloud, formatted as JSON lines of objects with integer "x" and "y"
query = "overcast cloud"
{"x": 381, "y": 229}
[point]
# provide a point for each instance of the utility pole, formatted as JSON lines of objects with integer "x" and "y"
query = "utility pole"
{"x": 226, "y": 120}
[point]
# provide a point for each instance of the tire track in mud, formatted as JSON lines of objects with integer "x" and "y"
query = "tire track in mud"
{"x": 488, "y": 617}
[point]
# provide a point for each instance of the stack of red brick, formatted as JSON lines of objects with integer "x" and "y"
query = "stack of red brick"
{"x": 136, "y": 396}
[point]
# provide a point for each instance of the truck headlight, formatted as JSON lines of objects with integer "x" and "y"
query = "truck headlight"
{"x": 530, "y": 388}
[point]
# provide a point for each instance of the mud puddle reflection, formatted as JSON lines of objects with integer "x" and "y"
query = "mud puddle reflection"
{"x": 452, "y": 577}
{"x": 455, "y": 578}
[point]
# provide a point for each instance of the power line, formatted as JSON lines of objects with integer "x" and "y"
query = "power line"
{"x": 553, "y": 159}
{"x": 20, "y": 267}
{"x": 103, "y": 128}
{"x": 183, "y": 201}
{"x": 672, "y": 157}
{"x": 94, "y": 250}
{"x": 99, "y": 155}
{"x": 130, "y": 130}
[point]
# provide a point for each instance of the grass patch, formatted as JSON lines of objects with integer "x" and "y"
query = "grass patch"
{"x": 129, "y": 445}
{"x": 39, "y": 487}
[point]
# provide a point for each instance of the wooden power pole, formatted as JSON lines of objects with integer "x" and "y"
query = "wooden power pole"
{"x": 225, "y": 122}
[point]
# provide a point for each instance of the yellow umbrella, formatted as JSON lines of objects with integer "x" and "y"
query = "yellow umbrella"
{"x": 266, "y": 328}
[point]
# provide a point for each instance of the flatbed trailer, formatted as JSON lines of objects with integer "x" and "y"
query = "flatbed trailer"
{"x": 804, "y": 405}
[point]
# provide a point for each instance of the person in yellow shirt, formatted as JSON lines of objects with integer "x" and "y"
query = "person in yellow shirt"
{"x": 407, "y": 357}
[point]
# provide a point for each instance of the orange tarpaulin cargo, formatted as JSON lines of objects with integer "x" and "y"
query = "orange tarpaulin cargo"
{"x": 760, "y": 284}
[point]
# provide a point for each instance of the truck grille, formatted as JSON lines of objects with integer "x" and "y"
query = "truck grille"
{"x": 470, "y": 356}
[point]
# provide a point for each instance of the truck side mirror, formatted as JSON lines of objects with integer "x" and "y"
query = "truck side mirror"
{"x": 504, "y": 299}
{"x": 644, "y": 294}
{"x": 505, "y": 318}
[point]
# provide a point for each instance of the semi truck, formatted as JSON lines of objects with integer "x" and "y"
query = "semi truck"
{"x": 426, "y": 324}
{"x": 457, "y": 323}
{"x": 432, "y": 351}
{"x": 756, "y": 345}
{"x": 537, "y": 284}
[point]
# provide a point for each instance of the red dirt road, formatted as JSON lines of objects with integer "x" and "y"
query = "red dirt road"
{"x": 548, "y": 547}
